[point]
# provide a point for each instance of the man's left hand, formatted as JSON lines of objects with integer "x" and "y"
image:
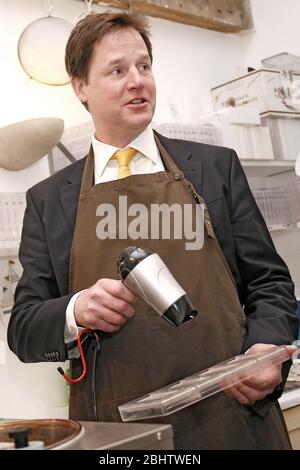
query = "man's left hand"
{"x": 260, "y": 385}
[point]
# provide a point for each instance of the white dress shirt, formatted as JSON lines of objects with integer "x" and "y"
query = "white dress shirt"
{"x": 147, "y": 160}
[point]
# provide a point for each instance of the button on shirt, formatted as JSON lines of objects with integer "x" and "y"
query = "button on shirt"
{"x": 147, "y": 160}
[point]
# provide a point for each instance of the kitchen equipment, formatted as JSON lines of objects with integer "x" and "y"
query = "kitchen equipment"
{"x": 59, "y": 434}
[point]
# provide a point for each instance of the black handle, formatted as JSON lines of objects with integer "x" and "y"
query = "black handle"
{"x": 20, "y": 437}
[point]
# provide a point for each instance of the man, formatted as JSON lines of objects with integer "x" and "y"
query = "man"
{"x": 70, "y": 277}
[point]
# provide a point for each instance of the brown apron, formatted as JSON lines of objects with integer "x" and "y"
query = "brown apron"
{"x": 148, "y": 352}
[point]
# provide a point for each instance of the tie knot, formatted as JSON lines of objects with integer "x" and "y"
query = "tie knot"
{"x": 124, "y": 158}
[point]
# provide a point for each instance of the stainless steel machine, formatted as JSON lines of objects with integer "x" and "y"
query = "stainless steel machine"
{"x": 60, "y": 434}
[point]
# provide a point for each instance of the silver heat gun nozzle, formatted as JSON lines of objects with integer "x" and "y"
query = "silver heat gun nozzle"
{"x": 145, "y": 274}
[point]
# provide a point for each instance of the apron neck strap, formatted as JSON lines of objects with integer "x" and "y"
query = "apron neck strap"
{"x": 88, "y": 172}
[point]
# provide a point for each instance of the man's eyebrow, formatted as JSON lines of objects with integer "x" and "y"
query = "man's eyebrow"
{"x": 119, "y": 60}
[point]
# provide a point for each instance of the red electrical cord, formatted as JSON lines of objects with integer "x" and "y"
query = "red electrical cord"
{"x": 84, "y": 368}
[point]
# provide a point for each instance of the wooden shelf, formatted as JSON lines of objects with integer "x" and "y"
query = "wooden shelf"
{"x": 222, "y": 15}
{"x": 261, "y": 168}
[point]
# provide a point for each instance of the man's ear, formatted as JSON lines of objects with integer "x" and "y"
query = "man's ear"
{"x": 79, "y": 85}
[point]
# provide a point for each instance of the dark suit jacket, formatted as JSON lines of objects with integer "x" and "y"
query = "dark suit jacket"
{"x": 36, "y": 329}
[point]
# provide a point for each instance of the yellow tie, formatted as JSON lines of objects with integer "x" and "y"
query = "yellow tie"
{"x": 124, "y": 158}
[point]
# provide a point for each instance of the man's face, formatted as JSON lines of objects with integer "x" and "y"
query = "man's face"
{"x": 120, "y": 89}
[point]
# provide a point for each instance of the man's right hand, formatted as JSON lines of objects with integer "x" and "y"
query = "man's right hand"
{"x": 105, "y": 306}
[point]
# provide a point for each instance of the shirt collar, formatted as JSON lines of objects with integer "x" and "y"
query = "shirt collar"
{"x": 144, "y": 143}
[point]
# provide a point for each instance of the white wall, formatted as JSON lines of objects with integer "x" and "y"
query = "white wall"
{"x": 276, "y": 30}
{"x": 187, "y": 62}
{"x": 22, "y": 98}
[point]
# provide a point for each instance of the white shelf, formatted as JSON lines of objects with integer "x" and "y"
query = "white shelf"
{"x": 281, "y": 227}
{"x": 262, "y": 168}
{"x": 284, "y": 228}
{"x": 6, "y": 251}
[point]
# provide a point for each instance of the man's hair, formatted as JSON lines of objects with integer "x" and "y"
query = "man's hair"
{"x": 91, "y": 29}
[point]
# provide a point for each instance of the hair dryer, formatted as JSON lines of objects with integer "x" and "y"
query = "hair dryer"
{"x": 145, "y": 274}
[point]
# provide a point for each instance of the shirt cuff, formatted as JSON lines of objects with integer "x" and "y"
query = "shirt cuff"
{"x": 71, "y": 328}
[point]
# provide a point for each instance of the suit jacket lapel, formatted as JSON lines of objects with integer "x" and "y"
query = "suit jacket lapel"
{"x": 188, "y": 162}
{"x": 69, "y": 194}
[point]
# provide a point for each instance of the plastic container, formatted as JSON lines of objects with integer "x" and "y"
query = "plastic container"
{"x": 185, "y": 392}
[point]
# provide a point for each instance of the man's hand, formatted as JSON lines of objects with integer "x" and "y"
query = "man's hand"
{"x": 258, "y": 386}
{"x": 105, "y": 306}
